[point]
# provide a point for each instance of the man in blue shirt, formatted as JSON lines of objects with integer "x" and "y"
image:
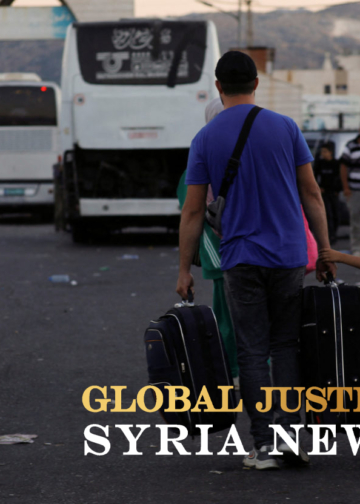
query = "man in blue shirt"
{"x": 263, "y": 249}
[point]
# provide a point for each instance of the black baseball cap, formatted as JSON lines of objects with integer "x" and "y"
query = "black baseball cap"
{"x": 235, "y": 66}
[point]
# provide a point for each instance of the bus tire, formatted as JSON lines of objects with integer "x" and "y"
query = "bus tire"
{"x": 47, "y": 215}
{"x": 79, "y": 233}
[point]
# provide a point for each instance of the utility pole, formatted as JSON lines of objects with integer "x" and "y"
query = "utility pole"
{"x": 249, "y": 30}
{"x": 231, "y": 14}
{"x": 239, "y": 24}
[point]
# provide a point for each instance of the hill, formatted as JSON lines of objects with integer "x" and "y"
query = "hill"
{"x": 300, "y": 37}
{"x": 40, "y": 56}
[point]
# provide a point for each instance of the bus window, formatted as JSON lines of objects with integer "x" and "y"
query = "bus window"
{"x": 166, "y": 53}
{"x": 27, "y": 106}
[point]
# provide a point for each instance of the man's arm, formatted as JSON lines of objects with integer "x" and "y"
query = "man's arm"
{"x": 314, "y": 209}
{"x": 317, "y": 173}
{"x": 344, "y": 180}
{"x": 191, "y": 226}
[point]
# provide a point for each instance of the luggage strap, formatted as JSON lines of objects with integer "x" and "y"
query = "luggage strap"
{"x": 234, "y": 162}
{"x": 339, "y": 344}
{"x": 209, "y": 367}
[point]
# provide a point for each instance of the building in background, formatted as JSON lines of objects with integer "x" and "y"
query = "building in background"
{"x": 272, "y": 93}
{"x": 342, "y": 80}
{"x": 329, "y": 112}
{"x": 351, "y": 65}
{"x": 279, "y": 96}
{"x": 331, "y": 95}
{"x": 264, "y": 57}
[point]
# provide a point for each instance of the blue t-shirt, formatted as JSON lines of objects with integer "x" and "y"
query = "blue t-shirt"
{"x": 262, "y": 222}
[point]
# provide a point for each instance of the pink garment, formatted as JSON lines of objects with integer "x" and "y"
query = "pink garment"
{"x": 311, "y": 247}
{"x": 209, "y": 196}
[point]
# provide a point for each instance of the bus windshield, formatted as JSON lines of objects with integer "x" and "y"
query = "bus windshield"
{"x": 27, "y": 106}
{"x": 139, "y": 52}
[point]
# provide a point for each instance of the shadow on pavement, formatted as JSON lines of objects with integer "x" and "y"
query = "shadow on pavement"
{"x": 11, "y": 219}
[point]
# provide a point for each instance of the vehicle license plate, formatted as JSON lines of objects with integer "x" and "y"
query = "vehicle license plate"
{"x": 14, "y": 191}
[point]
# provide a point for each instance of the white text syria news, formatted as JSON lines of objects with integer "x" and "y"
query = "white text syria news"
{"x": 324, "y": 442}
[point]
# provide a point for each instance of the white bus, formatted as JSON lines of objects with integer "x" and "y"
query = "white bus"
{"x": 29, "y": 142}
{"x": 134, "y": 94}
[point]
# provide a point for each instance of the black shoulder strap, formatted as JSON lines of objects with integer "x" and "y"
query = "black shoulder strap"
{"x": 234, "y": 161}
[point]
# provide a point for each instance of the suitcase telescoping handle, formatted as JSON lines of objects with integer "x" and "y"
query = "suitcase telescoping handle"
{"x": 190, "y": 294}
{"x": 186, "y": 302}
{"x": 329, "y": 279}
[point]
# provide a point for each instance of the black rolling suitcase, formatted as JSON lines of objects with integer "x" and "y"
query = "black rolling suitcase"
{"x": 184, "y": 347}
{"x": 330, "y": 347}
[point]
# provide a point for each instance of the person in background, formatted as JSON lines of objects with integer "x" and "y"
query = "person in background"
{"x": 327, "y": 174}
{"x": 213, "y": 109}
{"x": 350, "y": 178}
{"x": 210, "y": 263}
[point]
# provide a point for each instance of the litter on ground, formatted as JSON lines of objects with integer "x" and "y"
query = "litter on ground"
{"x": 8, "y": 439}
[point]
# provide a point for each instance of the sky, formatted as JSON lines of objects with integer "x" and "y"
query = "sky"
{"x": 181, "y": 7}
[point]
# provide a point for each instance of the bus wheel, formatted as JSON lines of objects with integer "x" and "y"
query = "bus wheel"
{"x": 79, "y": 233}
{"x": 47, "y": 215}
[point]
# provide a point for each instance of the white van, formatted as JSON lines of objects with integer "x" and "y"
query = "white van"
{"x": 29, "y": 142}
{"x": 134, "y": 94}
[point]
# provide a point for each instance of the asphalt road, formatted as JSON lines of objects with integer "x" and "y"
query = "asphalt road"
{"x": 59, "y": 339}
